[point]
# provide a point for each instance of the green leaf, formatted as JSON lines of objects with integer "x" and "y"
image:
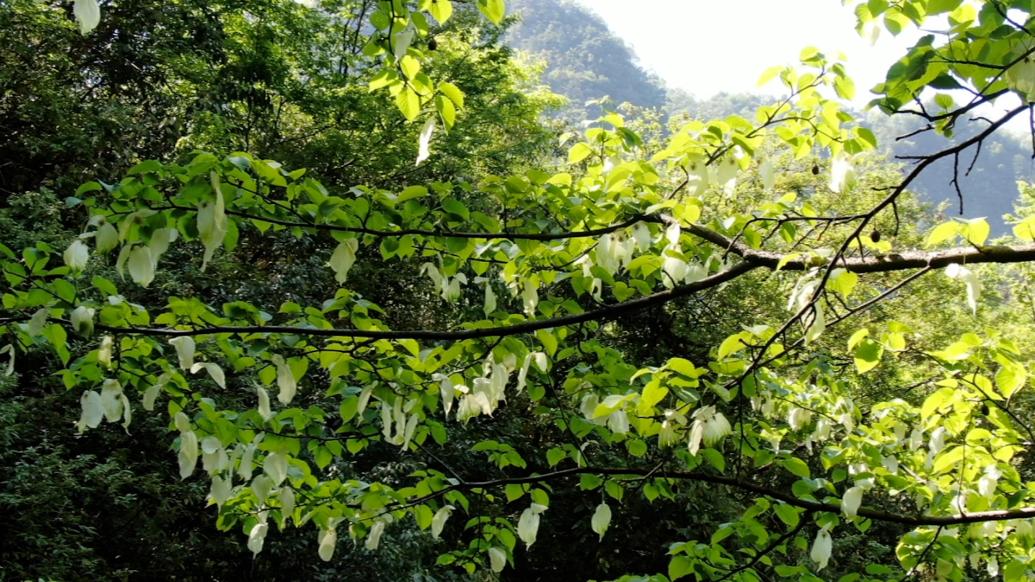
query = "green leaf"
{"x": 441, "y": 10}
{"x": 732, "y": 345}
{"x": 87, "y": 188}
{"x": 770, "y": 74}
{"x": 446, "y": 110}
{"x": 680, "y": 566}
{"x": 409, "y": 66}
{"x": 494, "y": 10}
{"x": 857, "y": 337}
{"x": 939, "y": 399}
{"x": 867, "y": 355}
{"x": 788, "y": 514}
{"x": 948, "y": 460}
{"x": 422, "y": 514}
{"x": 555, "y": 455}
{"x": 453, "y": 93}
{"x": 867, "y": 136}
{"x": 652, "y": 394}
{"x": 408, "y": 103}
{"x": 1010, "y": 378}
{"x": 456, "y": 208}
{"x": 1025, "y": 229}
{"x": 383, "y": 79}
{"x": 797, "y": 467}
{"x": 714, "y": 458}
{"x": 514, "y": 491}
{"x": 579, "y": 152}
{"x": 976, "y": 231}
{"x": 943, "y": 232}
{"x": 683, "y": 366}
{"x": 589, "y": 482}
{"x": 842, "y": 282}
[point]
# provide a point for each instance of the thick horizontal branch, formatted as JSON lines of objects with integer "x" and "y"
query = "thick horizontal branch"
{"x": 507, "y": 235}
{"x": 600, "y": 314}
{"x": 808, "y": 504}
{"x": 905, "y": 260}
{"x": 752, "y": 260}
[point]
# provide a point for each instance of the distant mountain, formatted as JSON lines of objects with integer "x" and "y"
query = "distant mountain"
{"x": 586, "y": 61}
{"x": 989, "y": 189}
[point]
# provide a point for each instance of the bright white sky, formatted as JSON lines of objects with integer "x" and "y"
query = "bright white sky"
{"x": 708, "y": 46}
{"x": 711, "y": 46}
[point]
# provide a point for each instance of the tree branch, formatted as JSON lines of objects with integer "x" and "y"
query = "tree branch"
{"x": 808, "y": 504}
{"x": 752, "y": 260}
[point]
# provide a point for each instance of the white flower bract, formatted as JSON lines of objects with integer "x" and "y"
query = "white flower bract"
{"x": 822, "y": 548}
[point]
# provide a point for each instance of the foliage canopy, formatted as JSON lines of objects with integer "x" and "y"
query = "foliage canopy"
{"x": 488, "y": 329}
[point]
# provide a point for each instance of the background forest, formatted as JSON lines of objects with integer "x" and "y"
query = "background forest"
{"x": 164, "y": 80}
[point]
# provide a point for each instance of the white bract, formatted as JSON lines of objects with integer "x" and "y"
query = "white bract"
{"x": 111, "y": 401}
{"x": 528, "y": 523}
{"x": 970, "y": 279}
{"x": 530, "y": 298}
{"x": 490, "y": 299}
{"x": 214, "y": 372}
{"x": 988, "y": 481}
{"x": 724, "y": 174}
{"x": 374, "y": 536}
{"x": 36, "y": 323}
{"x": 601, "y": 520}
{"x": 76, "y": 255}
{"x": 842, "y": 174}
{"x": 141, "y": 266}
{"x": 424, "y": 141}
{"x": 104, "y": 351}
{"x": 221, "y": 490}
{"x": 285, "y": 380}
{"x": 401, "y": 41}
{"x": 188, "y": 456}
{"x": 93, "y": 410}
{"x": 276, "y": 466}
{"x": 822, "y": 548}
{"x": 159, "y": 243}
{"x": 851, "y": 500}
{"x": 286, "y": 497}
{"x": 343, "y": 257}
{"x": 105, "y": 238}
{"x": 709, "y": 426}
{"x": 264, "y": 403}
{"x": 213, "y": 456}
{"x": 151, "y": 394}
{"x": 82, "y": 320}
{"x": 438, "y": 521}
{"x": 87, "y": 14}
{"x": 212, "y": 222}
{"x": 798, "y": 418}
{"x": 767, "y": 173}
{"x": 9, "y": 350}
{"x": 497, "y": 559}
{"x": 327, "y": 540}
{"x": 185, "y": 347}
{"x": 257, "y": 536}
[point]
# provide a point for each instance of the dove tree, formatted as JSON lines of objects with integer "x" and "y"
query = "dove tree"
{"x": 546, "y": 267}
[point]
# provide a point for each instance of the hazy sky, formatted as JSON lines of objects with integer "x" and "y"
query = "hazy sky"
{"x": 708, "y": 46}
